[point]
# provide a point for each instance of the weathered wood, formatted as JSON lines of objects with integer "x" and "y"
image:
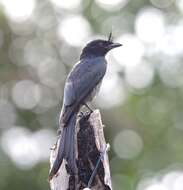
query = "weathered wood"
{"x": 91, "y": 144}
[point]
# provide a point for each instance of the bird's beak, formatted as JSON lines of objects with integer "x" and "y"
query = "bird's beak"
{"x": 114, "y": 45}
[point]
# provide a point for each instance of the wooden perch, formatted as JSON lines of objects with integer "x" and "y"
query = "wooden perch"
{"x": 91, "y": 149}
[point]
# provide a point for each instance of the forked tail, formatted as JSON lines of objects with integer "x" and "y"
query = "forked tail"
{"x": 66, "y": 148}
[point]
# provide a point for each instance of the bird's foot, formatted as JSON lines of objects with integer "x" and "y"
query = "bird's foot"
{"x": 84, "y": 114}
{"x": 81, "y": 114}
{"x": 90, "y": 109}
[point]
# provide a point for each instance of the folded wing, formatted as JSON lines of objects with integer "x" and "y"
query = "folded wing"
{"x": 84, "y": 77}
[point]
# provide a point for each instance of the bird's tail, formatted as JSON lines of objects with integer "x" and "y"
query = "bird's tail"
{"x": 66, "y": 149}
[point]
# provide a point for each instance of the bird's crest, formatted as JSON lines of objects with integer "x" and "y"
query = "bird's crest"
{"x": 110, "y": 38}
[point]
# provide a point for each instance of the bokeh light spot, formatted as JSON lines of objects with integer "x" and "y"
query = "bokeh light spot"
{"x": 25, "y": 148}
{"x": 68, "y": 4}
{"x": 15, "y": 142}
{"x": 156, "y": 187}
{"x": 168, "y": 180}
{"x": 170, "y": 44}
{"x": 128, "y": 144}
{"x": 111, "y": 5}
{"x": 132, "y": 51}
{"x": 36, "y": 51}
{"x": 51, "y": 72}
{"x": 118, "y": 95}
{"x": 179, "y": 4}
{"x": 18, "y": 10}
{"x": 140, "y": 76}
{"x": 75, "y": 30}
{"x": 178, "y": 185}
{"x": 26, "y": 94}
{"x": 49, "y": 98}
{"x": 149, "y": 25}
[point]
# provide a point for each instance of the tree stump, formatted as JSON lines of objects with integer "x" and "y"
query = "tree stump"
{"x": 91, "y": 152}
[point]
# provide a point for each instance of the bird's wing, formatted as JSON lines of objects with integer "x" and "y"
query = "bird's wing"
{"x": 81, "y": 81}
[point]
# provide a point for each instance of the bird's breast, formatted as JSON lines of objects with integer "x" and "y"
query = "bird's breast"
{"x": 94, "y": 92}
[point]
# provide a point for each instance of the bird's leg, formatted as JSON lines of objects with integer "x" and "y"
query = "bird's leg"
{"x": 81, "y": 114}
{"x": 88, "y": 107}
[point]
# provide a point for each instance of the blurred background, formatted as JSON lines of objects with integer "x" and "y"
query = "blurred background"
{"x": 140, "y": 100}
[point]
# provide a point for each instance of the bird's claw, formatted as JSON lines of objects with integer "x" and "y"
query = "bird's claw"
{"x": 84, "y": 114}
{"x": 81, "y": 114}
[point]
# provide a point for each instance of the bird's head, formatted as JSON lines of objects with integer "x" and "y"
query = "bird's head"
{"x": 99, "y": 47}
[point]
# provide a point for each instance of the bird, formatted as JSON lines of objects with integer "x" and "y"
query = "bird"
{"x": 81, "y": 86}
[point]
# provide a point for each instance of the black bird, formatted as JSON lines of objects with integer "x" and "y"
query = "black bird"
{"x": 81, "y": 86}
